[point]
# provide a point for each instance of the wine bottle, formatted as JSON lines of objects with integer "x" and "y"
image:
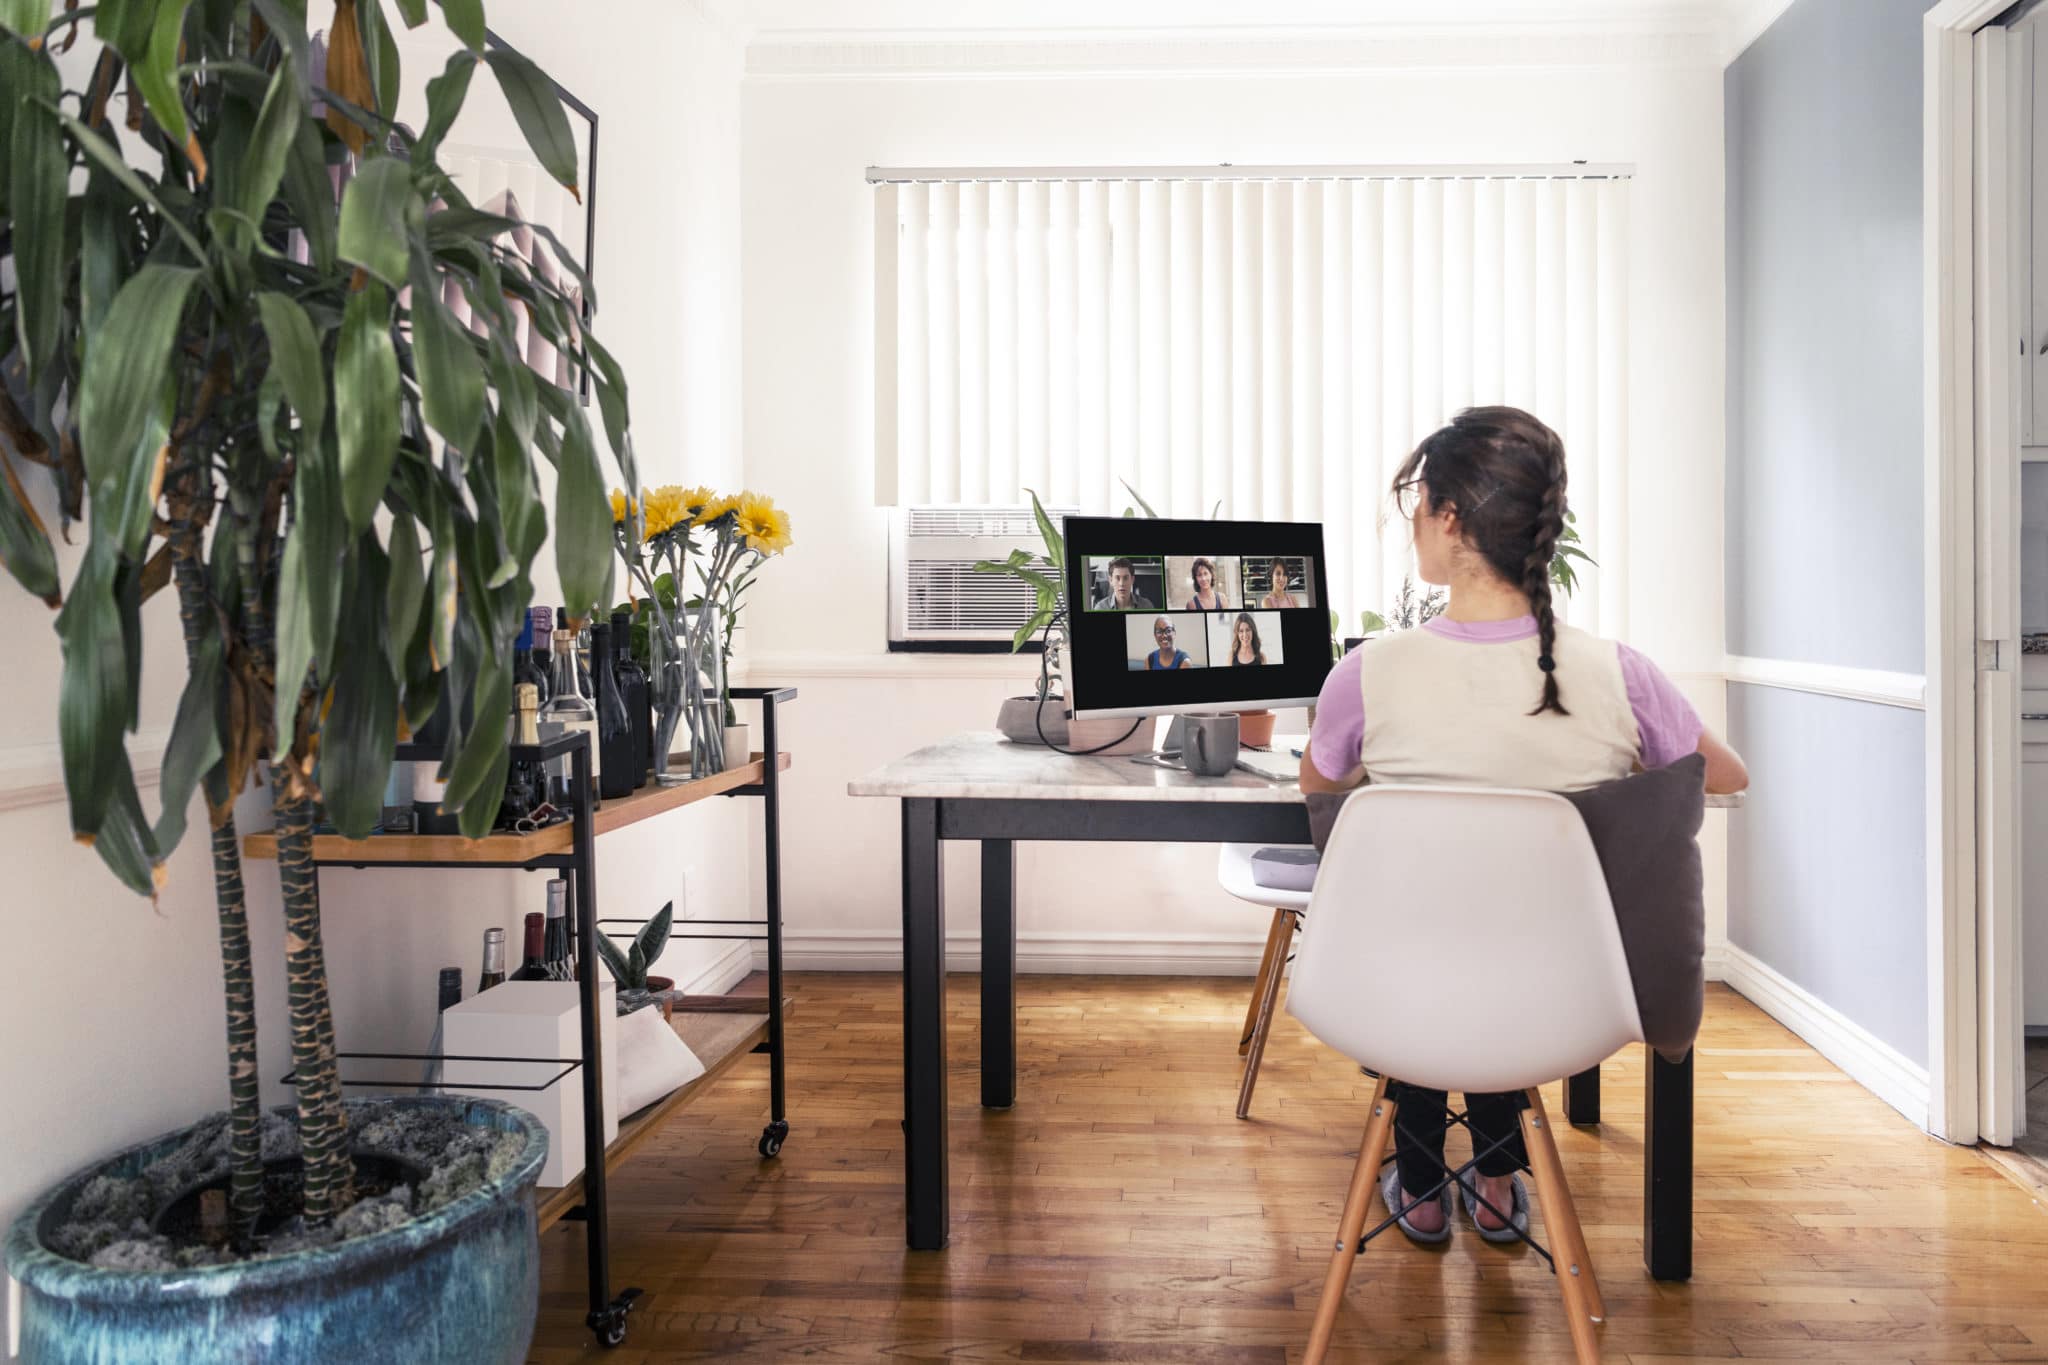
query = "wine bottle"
{"x": 523, "y": 671}
{"x": 555, "y": 950}
{"x": 582, "y": 638}
{"x": 633, "y": 684}
{"x": 614, "y": 723}
{"x": 526, "y": 781}
{"x": 542, "y": 619}
{"x": 534, "y": 967}
{"x": 569, "y": 711}
{"x": 450, "y": 988}
{"x": 428, "y": 792}
{"x": 493, "y": 973}
{"x": 397, "y": 814}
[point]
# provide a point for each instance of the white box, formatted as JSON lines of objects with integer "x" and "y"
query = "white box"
{"x": 534, "y": 1019}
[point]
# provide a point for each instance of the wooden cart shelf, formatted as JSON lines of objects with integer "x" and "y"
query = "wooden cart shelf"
{"x": 720, "y": 1037}
{"x": 502, "y": 849}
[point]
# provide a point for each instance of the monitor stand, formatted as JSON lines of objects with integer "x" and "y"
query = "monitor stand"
{"x": 1171, "y": 745}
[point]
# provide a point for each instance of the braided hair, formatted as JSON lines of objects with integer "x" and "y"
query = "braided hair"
{"x": 1503, "y": 472}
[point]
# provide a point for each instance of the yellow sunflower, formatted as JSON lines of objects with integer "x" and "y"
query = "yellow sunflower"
{"x": 765, "y": 525}
{"x": 666, "y": 508}
{"x": 714, "y": 508}
{"x": 695, "y": 498}
{"x": 622, "y": 506}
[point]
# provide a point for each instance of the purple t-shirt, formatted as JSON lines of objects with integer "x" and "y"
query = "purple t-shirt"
{"x": 1669, "y": 726}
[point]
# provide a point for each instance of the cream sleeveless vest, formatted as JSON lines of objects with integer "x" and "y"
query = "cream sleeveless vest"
{"x": 1456, "y": 712}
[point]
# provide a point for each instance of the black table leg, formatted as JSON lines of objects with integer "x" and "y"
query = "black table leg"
{"x": 1667, "y": 1168}
{"x": 1582, "y": 1096}
{"x": 924, "y": 1026}
{"x": 998, "y": 973}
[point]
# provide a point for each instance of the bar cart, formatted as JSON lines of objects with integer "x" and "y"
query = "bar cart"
{"x": 570, "y": 848}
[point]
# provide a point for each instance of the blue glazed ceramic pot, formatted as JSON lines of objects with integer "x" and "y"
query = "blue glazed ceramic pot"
{"x": 460, "y": 1285}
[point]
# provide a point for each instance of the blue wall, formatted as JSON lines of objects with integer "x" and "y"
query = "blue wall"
{"x": 1827, "y": 865}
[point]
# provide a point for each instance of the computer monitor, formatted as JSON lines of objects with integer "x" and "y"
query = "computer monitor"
{"x": 1170, "y": 616}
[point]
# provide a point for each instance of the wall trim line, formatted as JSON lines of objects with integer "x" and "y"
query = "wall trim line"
{"x": 881, "y": 950}
{"x": 1750, "y": 23}
{"x": 1867, "y": 1059}
{"x": 1874, "y": 685}
{"x": 33, "y": 774}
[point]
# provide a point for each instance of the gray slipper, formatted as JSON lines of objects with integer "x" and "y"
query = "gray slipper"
{"x": 1391, "y": 1192}
{"x": 1520, "y": 1213}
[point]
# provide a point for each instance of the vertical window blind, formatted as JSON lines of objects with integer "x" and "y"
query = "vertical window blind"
{"x": 1276, "y": 344}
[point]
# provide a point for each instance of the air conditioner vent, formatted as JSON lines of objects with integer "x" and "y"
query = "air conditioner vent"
{"x": 935, "y": 596}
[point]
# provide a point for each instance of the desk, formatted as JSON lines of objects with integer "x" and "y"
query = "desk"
{"x": 981, "y": 788}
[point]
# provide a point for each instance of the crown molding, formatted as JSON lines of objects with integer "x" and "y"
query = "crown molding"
{"x": 1749, "y": 21}
{"x": 808, "y": 56}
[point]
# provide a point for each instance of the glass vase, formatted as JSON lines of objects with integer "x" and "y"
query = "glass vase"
{"x": 688, "y": 699}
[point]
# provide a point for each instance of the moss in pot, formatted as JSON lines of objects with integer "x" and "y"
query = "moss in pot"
{"x": 629, "y": 965}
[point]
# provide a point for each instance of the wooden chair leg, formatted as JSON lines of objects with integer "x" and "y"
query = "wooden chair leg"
{"x": 1365, "y": 1182}
{"x": 1264, "y": 1024}
{"x": 1251, "y": 1010}
{"x": 1582, "y": 1302}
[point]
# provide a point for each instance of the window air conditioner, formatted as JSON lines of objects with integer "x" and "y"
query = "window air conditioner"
{"x": 936, "y": 599}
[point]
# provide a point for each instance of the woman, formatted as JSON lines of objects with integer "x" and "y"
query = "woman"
{"x": 1279, "y": 597}
{"x": 1245, "y": 647}
{"x": 1166, "y": 656}
{"x": 1207, "y": 597}
{"x": 1451, "y": 703}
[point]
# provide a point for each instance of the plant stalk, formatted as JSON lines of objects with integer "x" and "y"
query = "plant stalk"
{"x": 323, "y": 1123}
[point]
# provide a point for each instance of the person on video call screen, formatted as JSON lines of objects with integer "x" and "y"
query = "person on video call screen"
{"x": 1279, "y": 597}
{"x": 1166, "y": 656}
{"x": 1122, "y": 595}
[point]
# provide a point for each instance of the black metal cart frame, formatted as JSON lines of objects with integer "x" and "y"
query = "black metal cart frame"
{"x": 607, "y": 1315}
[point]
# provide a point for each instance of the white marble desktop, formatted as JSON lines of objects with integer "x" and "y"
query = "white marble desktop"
{"x": 982, "y": 765}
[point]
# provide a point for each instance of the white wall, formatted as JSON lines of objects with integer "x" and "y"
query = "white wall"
{"x": 814, "y": 122}
{"x": 112, "y": 1015}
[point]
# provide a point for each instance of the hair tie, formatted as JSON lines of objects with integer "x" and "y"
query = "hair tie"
{"x": 1546, "y": 663}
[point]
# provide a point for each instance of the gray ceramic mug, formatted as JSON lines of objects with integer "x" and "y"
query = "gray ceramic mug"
{"x": 1209, "y": 744}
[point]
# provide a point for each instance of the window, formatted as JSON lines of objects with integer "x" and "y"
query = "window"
{"x": 1274, "y": 342}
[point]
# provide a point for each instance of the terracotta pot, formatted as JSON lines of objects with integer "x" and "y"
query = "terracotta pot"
{"x": 1255, "y": 729}
{"x": 663, "y": 988}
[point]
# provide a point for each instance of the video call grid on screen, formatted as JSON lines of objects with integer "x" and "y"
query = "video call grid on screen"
{"x": 1184, "y": 615}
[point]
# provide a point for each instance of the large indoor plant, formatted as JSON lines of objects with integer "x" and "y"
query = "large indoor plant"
{"x": 250, "y": 390}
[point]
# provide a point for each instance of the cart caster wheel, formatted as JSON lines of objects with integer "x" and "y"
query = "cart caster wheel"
{"x": 772, "y": 1138}
{"x": 609, "y": 1323}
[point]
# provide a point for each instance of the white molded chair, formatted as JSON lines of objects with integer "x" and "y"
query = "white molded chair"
{"x": 1234, "y": 871}
{"x": 1425, "y": 875}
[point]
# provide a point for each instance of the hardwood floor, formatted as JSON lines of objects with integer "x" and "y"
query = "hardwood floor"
{"x": 1120, "y": 1213}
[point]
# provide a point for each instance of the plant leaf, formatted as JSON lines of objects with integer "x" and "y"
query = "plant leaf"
{"x": 1039, "y": 621}
{"x": 29, "y": 18}
{"x": 405, "y": 591}
{"x": 1055, "y": 542}
{"x": 361, "y": 724}
{"x": 366, "y": 394}
{"x": 378, "y": 209}
{"x": 295, "y": 357}
{"x": 614, "y": 958}
{"x": 583, "y": 519}
{"x": 1139, "y": 499}
{"x": 111, "y": 161}
{"x": 156, "y": 76}
{"x": 445, "y": 95}
{"x": 466, "y": 21}
{"x": 126, "y": 363}
{"x": 451, "y": 376}
{"x": 24, "y": 544}
{"x": 538, "y": 110}
{"x": 270, "y": 145}
{"x": 311, "y": 194}
{"x": 194, "y": 745}
{"x": 636, "y": 966}
{"x": 94, "y": 701}
{"x": 653, "y": 935}
{"x": 37, "y": 172}
{"x": 124, "y": 25}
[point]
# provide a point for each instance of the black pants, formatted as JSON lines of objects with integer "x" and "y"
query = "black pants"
{"x": 1422, "y": 1120}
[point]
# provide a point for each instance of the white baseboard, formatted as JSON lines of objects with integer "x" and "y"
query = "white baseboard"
{"x": 881, "y": 950}
{"x": 1873, "y": 1063}
{"x": 727, "y": 970}
{"x": 1714, "y": 962}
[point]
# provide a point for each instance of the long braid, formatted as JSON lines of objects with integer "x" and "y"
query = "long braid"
{"x": 1536, "y": 574}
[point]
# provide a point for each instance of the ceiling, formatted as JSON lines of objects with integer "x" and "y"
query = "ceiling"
{"x": 815, "y": 20}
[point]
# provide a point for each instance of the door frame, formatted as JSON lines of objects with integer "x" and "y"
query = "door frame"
{"x": 1972, "y": 568}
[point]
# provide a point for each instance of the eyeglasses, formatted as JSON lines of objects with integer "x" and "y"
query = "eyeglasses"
{"x": 1166, "y": 634}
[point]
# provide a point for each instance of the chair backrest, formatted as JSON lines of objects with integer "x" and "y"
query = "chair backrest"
{"x": 1462, "y": 939}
